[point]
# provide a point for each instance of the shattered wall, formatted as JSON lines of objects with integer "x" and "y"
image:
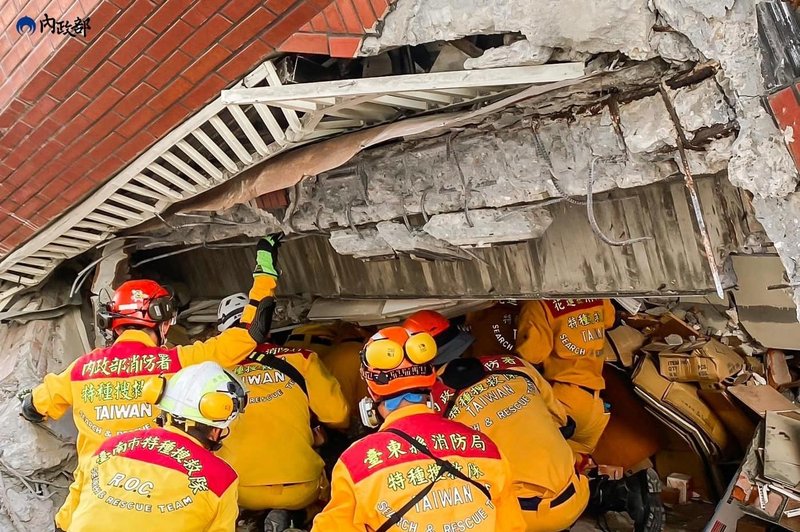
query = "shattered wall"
{"x": 677, "y": 30}
{"x": 36, "y": 462}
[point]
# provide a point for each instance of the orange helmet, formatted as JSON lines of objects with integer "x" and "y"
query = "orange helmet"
{"x": 144, "y": 303}
{"x": 451, "y": 342}
{"x": 395, "y": 360}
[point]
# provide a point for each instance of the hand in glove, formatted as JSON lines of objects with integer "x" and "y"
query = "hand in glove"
{"x": 29, "y": 411}
{"x": 267, "y": 255}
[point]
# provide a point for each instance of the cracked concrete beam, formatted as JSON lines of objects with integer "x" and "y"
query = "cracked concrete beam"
{"x": 501, "y": 166}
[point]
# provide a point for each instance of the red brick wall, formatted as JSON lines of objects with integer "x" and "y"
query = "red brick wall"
{"x": 339, "y": 29}
{"x": 85, "y": 109}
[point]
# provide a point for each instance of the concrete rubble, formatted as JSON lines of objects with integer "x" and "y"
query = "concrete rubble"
{"x": 676, "y": 30}
{"x": 36, "y": 463}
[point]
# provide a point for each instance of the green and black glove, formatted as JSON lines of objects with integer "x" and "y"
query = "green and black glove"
{"x": 267, "y": 256}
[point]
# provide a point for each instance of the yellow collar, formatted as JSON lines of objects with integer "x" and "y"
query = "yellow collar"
{"x": 132, "y": 335}
{"x": 405, "y": 411}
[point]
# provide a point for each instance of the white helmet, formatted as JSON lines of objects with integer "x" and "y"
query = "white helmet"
{"x": 230, "y": 310}
{"x": 204, "y": 393}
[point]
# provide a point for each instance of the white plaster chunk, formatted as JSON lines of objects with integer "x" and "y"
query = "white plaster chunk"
{"x": 647, "y": 126}
{"x": 712, "y": 160}
{"x": 702, "y": 105}
{"x": 760, "y": 162}
{"x": 601, "y": 26}
{"x": 674, "y": 47}
{"x": 400, "y": 238}
{"x": 519, "y": 53}
{"x": 490, "y": 226}
{"x": 366, "y": 244}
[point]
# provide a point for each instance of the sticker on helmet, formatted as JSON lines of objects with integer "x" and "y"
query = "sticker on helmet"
{"x": 138, "y": 296}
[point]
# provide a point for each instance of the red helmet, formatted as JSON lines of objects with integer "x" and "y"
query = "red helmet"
{"x": 429, "y": 321}
{"x": 395, "y": 360}
{"x": 451, "y": 342}
{"x": 144, "y": 303}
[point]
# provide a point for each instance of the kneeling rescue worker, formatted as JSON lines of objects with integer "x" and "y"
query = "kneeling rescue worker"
{"x": 165, "y": 478}
{"x": 105, "y": 387}
{"x": 567, "y": 337}
{"x": 271, "y": 446}
{"x": 507, "y": 399}
{"x": 419, "y": 472}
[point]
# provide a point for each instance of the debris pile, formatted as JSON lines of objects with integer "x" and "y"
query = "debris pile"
{"x": 729, "y": 399}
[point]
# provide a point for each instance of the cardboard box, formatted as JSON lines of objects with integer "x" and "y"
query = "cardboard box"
{"x": 682, "y": 397}
{"x": 709, "y": 361}
{"x": 625, "y": 341}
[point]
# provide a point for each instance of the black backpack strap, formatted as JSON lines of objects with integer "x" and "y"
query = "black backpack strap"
{"x": 279, "y": 364}
{"x": 395, "y": 517}
{"x": 444, "y": 467}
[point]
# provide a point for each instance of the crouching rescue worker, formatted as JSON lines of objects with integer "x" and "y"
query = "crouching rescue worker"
{"x": 271, "y": 445}
{"x": 567, "y": 337}
{"x": 165, "y": 478}
{"x": 105, "y": 387}
{"x": 507, "y": 399}
{"x": 338, "y": 345}
{"x": 419, "y": 472}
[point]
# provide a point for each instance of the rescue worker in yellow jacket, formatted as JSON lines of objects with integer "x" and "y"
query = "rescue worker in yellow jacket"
{"x": 287, "y": 387}
{"x": 507, "y": 399}
{"x": 567, "y": 337}
{"x": 165, "y": 478}
{"x": 338, "y": 345}
{"x": 104, "y": 387}
{"x": 419, "y": 472}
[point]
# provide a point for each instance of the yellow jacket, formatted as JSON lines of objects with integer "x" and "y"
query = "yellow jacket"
{"x": 271, "y": 442}
{"x": 344, "y": 362}
{"x": 567, "y": 336}
{"x": 380, "y": 473}
{"x": 522, "y": 417}
{"x": 157, "y": 479}
{"x": 104, "y": 387}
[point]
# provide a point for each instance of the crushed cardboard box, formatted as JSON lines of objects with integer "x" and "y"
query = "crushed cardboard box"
{"x": 705, "y": 361}
{"x": 682, "y": 397}
{"x": 625, "y": 341}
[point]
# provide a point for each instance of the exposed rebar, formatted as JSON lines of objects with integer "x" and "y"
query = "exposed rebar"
{"x": 593, "y": 222}
{"x": 695, "y": 200}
